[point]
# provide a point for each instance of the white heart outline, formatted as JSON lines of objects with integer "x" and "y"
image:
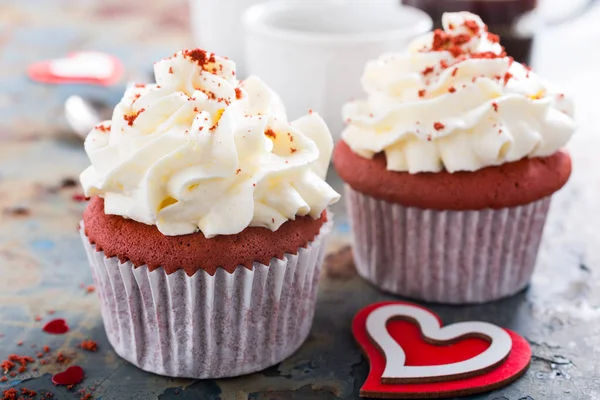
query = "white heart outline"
{"x": 396, "y": 372}
{"x": 83, "y": 64}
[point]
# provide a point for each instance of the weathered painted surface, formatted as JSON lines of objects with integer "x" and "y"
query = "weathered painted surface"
{"x": 42, "y": 264}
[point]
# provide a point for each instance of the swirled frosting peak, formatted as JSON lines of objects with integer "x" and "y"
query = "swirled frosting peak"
{"x": 200, "y": 150}
{"x": 455, "y": 101}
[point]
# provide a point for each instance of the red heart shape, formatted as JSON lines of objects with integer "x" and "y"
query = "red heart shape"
{"x": 71, "y": 376}
{"x": 418, "y": 352}
{"x": 56, "y": 327}
{"x": 79, "y": 67}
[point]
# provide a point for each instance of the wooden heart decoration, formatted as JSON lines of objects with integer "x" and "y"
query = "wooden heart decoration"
{"x": 90, "y": 67}
{"x": 413, "y": 356}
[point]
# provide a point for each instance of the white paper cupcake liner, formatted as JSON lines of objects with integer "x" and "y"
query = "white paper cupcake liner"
{"x": 445, "y": 256}
{"x": 208, "y": 326}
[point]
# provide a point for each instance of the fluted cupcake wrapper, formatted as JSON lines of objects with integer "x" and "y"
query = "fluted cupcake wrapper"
{"x": 445, "y": 256}
{"x": 204, "y": 326}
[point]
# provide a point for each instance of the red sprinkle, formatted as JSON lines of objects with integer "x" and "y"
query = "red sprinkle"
{"x": 130, "y": 118}
{"x": 427, "y": 71}
{"x": 56, "y": 327}
{"x": 421, "y": 92}
{"x": 472, "y": 26}
{"x": 269, "y": 132}
{"x": 451, "y": 89}
{"x": 495, "y": 105}
{"x": 238, "y": 93}
{"x": 438, "y": 126}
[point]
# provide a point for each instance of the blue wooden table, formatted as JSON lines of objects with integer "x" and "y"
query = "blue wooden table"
{"x": 43, "y": 267}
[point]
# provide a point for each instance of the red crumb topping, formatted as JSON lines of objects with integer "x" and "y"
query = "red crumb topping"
{"x": 238, "y": 93}
{"x": 495, "y": 105}
{"x": 427, "y": 71}
{"x": 421, "y": 92}
{"x": 507, "y": 77}
{"x": 130, "y": 118}
{"x": 199, "y": 56}
{"x": 438, "y": 126}
{"x": 170, "y": 70}
{"x": 451, "y": 89}
{"x": 293, "y": 150}
{"x": 140, "y": 85}
{"x": 102, "y": 127}
{"x": 454, "y": 71}
{"x": 269, "y": 132}
{"x": 472, "y": 26}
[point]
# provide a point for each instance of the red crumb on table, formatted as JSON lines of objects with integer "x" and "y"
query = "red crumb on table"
{"x": 28, "y": 392}
{"x": 85, "y": 396}
{"x": 46, "y": 349}
{"x": 10, "y": 394}
{"x": 38, "y": 318}
{"x": 40, "y": 355}
{"x": 438, "y": 126}
{"x": 3, "y": 379}
{"x": 61, "y": 359}
{"x": 89, "y": 345}
{"x": 90, "y": 289}
{"x": 130, "y": 118}
{"x": 7, "y": 365}
{"x": 421, "y": 92}
{"x": 20, "y": 343}
{"x": 269, "y": 132}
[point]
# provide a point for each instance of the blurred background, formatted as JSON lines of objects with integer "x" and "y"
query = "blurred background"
{"x": 559, "y": 38}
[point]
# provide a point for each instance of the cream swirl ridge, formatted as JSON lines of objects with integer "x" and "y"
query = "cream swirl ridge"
{"x": 455, "y": 101}
{"x": 200, "y": 150}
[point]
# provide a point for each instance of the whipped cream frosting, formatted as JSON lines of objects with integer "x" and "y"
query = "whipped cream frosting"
{"x": 200, "y": 150}
{"x": 455, "y": 101}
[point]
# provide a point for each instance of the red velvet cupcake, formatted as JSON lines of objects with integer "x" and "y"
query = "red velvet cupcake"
{"x": 206, "y": 227}
{"x": 450, "y": 165}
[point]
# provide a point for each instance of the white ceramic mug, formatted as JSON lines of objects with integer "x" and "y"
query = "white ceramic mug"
{"x": 313, "y": 52}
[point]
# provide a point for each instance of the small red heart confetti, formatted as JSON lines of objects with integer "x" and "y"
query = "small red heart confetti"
{"x": 71, "y": 376}
{"x": 56, "y": 327}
